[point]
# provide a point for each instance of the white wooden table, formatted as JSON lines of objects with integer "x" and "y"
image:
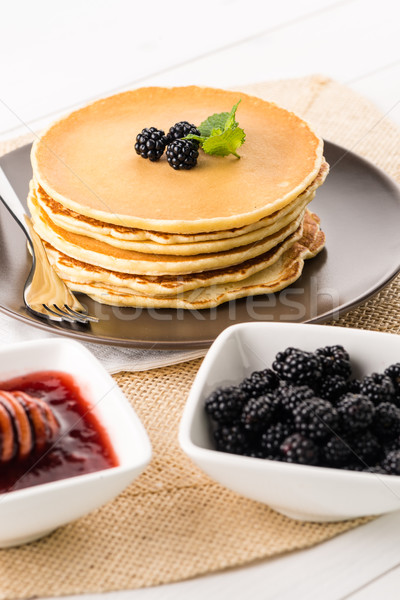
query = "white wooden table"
{"x": 56, "y": 56}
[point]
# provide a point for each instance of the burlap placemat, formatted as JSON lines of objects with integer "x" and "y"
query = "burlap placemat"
{"x": 173, "y": 522}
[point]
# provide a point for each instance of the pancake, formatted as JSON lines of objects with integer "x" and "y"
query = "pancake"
{"x": 86, "y": 161}
{"x": 195, "y": 248}
{"x": 77, "y": 223}
{"x": 79, "y": 272}
{"x": 101, "y": 254}
{"x": 129, "y": 232}
{"x": 283, "y": 272}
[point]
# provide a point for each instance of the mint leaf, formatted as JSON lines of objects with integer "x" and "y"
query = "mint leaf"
{"x": 217, "y": 131}
{"x": 216, "y": 121}
{"x": 220, "y": 134}
{"x": 231, "y": 121}
{"x": 192, "y": 136}
{"x": 219, "y": 121}
{"x": 225, "y": 143}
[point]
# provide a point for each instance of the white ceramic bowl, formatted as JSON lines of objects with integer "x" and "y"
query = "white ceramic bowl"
{"x": 30, "y": 513}
{"x": 298, "y": 491}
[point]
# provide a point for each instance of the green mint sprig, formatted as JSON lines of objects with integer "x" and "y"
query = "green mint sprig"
{"x": 220, "y": 134}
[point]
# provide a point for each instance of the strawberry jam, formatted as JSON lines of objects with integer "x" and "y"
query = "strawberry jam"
{"x": 81, "y": 446}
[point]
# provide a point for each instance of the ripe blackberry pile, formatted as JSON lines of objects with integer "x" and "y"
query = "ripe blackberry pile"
{"x": 181, "y": 154}
{"x": 307, "y": 409}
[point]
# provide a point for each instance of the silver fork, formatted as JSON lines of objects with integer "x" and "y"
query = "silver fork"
{"x": 45, "y": 294}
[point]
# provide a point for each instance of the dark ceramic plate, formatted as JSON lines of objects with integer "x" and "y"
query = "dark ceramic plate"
{"x": 359, "y": 207}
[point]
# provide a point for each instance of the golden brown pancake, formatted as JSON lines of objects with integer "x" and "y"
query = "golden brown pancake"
{"x": 87, "y": 162}
{"x": 130, "y": 232}
{"x": 77, "y": 223}
{"x": 71, "y": 269}
{"x": 101, "y": 254}
{"x": 188, "y": 249}
{"x": 283, "y": 272}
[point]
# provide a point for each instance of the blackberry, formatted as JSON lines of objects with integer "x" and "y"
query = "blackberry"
{"x": 365, "y": 447}
{"x": 333, "y": 387}
{"x": 298, "y": 367}
{"x": 181, "y": 130}
{"x": 273, "y": 437}
{"x": 391, "y": 463}
{"x": 335, "y": 452}
{"x": 378, "y": 388}
{"x": 356, "y": 412}
{"x": 390, "y": 445}
{"x": 182, "y": 154}
{"x": 354, "y": 386}
{"x": 335, "y": 360}
{"x": 231, "y": 438}
{"x": 259, "y": 382}
{"x": 299, "y": 449}
{"x": 258, "y": 412}
{"x": 386, "y": 424}
{"x": 290, "y": 396}
{"x": 225, "y": 405}
{"x": 316, "y": 419}
{"x": 150, "y": 143}
{"x": 394, "y": 373}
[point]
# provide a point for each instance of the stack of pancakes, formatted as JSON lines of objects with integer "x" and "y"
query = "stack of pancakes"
{"x": 130, "y": 232}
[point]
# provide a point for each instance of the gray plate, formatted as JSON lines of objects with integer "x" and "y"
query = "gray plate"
{"x": 359, "y": 208}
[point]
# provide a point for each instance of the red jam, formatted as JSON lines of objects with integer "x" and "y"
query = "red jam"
{"x": 82, "y": 445}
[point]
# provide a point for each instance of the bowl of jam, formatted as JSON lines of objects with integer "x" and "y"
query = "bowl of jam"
{"x": 69, "y": 439}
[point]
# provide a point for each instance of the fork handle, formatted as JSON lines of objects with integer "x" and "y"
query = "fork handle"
{"x": 13, "y": 204}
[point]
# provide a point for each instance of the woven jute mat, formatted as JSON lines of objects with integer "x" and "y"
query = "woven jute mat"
{"x": 173, "y": 522}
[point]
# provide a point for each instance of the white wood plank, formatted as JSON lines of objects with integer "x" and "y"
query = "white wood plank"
{"x": 345, "y": 40}
{"x": 348, "y": 43}
{"x": 386, "y": 587}
{"x": 69, "y": 52}
{"x": 352, "y": 39}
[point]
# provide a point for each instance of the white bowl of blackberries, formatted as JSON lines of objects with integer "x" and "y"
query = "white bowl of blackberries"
{"x": 304, "y": 418}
